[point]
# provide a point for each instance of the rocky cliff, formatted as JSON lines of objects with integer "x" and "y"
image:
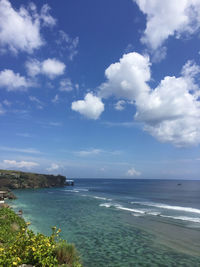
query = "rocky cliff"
{"x": 17, "y": 180}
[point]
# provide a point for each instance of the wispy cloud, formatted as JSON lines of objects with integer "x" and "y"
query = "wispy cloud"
{"x": 2, "y": 110}
{"x": 20, "y": 150}
{"x": 96, "y": 151}
{"x": 39, "y": 103}
{"x": 27, "y": 135}
{"x": 18, "y": 164}
{"x": 88, "y": 152}
{"x": 53, "y": 167}
{"x": 55, "y": 99}
{"x": 54, "y": 123}
{"x": 48, "y": 124}
{"x": 127, "y": 124}
{"x": 67, "y": 43}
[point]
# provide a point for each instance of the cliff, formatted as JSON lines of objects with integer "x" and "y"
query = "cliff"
{"x": 18, "y": 180}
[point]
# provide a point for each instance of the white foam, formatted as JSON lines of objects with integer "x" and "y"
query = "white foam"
{"x": 117, "y": 206}
{"x": 136, "y": 214}
{"x": 164, "y": 206}
{"x": 83, "y": 189}
{"x": 153, "y": 213}
{"x": 73, "y": 191}
{"x": 102, "y": 198}
{"x": 107, "y": 205}
{"x": 128, "y": 209}
{"x": 183, "y": 218}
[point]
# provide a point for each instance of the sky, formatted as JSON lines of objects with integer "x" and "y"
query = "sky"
{"x": 101, "y": 89}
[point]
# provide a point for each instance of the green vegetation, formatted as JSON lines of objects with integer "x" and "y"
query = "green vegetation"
{"x": 19, "y": 245}
{"x": 17, "y": 179}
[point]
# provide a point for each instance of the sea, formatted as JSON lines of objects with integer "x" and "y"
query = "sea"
{"x": 121, "y": 222}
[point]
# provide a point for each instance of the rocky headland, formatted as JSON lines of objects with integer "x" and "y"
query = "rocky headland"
{"x": 10, "y": 179}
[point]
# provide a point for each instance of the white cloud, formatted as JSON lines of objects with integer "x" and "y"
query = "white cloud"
{"x": 20, "y": 29}
{"x": 168, "y": 18}
{"x": 132, "y": 172}
{"x": 66, "y": 85}
{"x": 120, "y": 105}
{"x": 33, "y": 67}
{"x": 19, "y": 164}
{"x": 53, "y": 67}
{"x": 127, "y": 78}
{"x": 50, "y": 67}
{"x": 91, "y": 107}
{"x": 171, "y": 111}
{"x": 53, "y": 167}
{"x": 13, "y": 81}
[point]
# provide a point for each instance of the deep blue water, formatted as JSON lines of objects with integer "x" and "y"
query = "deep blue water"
{"x": 121, "y": 222}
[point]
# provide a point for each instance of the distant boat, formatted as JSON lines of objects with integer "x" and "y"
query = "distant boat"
{"x": 179, "y": 184}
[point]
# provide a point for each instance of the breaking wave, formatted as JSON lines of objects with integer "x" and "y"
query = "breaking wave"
{"x": 168, "y": 207}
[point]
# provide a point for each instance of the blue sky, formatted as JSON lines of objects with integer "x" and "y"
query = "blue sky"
{"x": 101, "y": 89}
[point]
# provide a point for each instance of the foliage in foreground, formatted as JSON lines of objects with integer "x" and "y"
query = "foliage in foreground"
{"x": 18, "y": 245}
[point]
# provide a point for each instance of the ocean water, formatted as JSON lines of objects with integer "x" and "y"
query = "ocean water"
{"x": 121, "y": 223}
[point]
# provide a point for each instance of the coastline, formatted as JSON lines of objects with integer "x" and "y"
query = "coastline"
{"x": 20, "y": 245}
{"x": 26, "y": 218}
{"x": 87, "y": 222}
{"x": 186, "y": 240}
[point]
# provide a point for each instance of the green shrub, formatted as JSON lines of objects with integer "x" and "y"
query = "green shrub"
{"x": 66, "y": 254}
{"x": 18, "y": 245}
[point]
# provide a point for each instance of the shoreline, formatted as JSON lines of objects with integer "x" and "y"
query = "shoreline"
{"x": 21, "y": 245}
{"x": 163, "y": 233}
{"x": 26, "y": 218}
{"x": 187, "y": 241}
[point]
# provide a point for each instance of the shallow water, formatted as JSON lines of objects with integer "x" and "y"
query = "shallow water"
{"x": 121, "y": 222}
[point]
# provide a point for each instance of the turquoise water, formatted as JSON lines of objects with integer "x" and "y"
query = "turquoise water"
{"x": 121, "y": 223}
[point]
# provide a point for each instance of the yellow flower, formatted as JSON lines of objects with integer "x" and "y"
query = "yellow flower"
{"x": 14, "y": 263}
{"x": 18, "y": 259}
{"x": 33, "y": 249}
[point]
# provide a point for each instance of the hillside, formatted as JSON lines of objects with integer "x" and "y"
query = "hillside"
{"x": 17, "y": 180}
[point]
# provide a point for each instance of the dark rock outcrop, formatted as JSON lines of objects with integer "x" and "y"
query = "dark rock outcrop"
{"x": 21, "y": 180}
